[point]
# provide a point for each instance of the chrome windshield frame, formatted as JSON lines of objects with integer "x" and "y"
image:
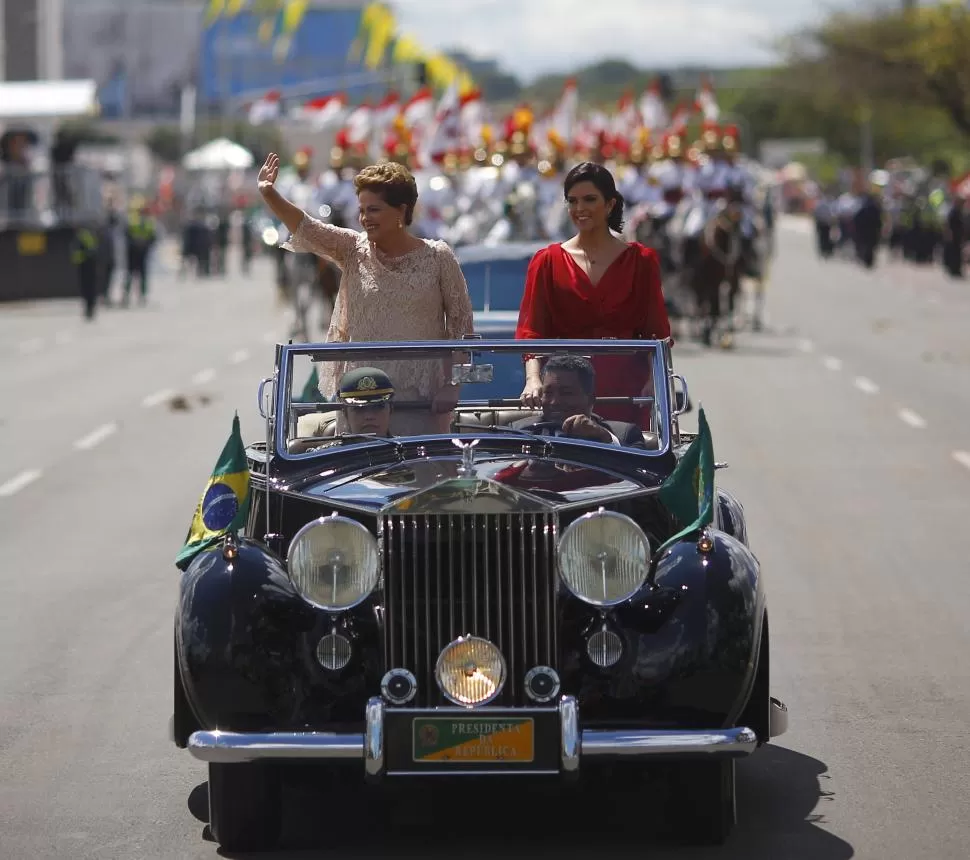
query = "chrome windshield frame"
{"x": 660, "y": 366}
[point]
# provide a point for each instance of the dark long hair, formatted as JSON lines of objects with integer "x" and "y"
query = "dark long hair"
{"x": 589, "y": 171}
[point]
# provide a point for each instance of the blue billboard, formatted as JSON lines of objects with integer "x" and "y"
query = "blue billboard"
{"x": 244, "y": 56}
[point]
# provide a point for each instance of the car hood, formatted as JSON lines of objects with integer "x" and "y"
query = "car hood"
{"x": 494, "y": 483}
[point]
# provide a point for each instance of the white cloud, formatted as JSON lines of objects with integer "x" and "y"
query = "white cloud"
{"x": 530, "y": 37}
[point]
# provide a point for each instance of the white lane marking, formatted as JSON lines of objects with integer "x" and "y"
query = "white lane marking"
{"x": 805, "y": 345}
{"x": 907, "y": 416}
{"x": 832, "y": 363}
{"x": 63, "y": 337}
{"x": 18, "y": 482}
{"x": 96, "y": 437}
{"x": 204, "y": 376}
{"x": 867, "y": 386}
{"x": 32, "y": 345}
{"x": 239, "y": 356}
{"x": 158, "y": 397}
{"x": 270, "y": 337}
{"x": 963, "y": 458}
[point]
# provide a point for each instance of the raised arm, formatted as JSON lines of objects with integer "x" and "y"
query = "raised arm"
{"x": 307, "y": 233}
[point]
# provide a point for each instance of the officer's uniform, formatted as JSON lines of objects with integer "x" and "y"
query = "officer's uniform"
{"x": 140, "y": 235}
{"x": 360, "y": 387}
{"x": 84, "y": 255}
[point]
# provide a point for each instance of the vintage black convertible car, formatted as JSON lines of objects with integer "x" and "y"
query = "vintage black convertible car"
{"x": 492, "y": 601}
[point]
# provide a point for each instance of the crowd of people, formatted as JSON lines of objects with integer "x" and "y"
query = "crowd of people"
{"x": 925, "y": 225}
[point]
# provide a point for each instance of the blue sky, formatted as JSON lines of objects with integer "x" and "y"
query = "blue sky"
{"x": 537, "y": 36}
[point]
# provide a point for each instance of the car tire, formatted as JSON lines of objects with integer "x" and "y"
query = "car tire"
{"x": 704, "y": 802}
{"x": 245, "y": 806}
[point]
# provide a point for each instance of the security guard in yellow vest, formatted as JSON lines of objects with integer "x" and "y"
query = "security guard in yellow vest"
{"x": 84, "y": 255}
{"x": 140, "y": 234}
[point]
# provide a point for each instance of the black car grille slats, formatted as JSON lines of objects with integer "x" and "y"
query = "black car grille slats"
{"x": 489, "y": 575}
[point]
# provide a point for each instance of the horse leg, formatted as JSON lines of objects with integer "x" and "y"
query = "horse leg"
{"x": 716, "y": 286}
{"x": 757, "y": 322}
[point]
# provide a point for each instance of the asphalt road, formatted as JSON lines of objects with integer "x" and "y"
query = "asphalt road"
{"x": 847, "y": 427}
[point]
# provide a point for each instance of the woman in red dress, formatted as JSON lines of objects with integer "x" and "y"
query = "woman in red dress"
{"x": 595, "y": 286}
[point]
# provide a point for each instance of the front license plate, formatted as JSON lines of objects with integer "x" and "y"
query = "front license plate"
{"x": 462, "y": 740}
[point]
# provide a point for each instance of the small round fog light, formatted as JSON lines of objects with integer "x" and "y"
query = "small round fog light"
{"x": 470, "y": 671}
{"x": 399, "y": 686}
{"x": 541, "y": 684}
{"x": 334, "y": 651}
{"x": 604, "y": 648}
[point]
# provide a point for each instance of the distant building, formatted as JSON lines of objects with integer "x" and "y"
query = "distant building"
{"x": 31, "y": 39}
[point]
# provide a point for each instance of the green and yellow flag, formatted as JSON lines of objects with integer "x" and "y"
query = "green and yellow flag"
{"x": 311, "y": 391}
{"x": 224, "y": 505}
{"x": 381, "y": 33}
{"x": 689, "y": 491}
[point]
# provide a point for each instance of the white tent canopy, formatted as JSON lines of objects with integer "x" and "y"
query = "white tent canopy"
{"x": 33, "y": 100}
{"x": 219, "y": 154}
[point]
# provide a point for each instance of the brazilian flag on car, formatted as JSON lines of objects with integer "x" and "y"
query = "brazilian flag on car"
{"x": 311, "y": 391}
{"x": 224, "y": 505}
{"x": 689, "y": 491}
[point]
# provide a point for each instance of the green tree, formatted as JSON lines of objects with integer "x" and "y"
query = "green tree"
{"x": 167, "y": 143}
{"x": 915, "y": 57}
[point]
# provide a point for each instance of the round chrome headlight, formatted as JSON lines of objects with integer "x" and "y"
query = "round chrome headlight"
{"x": 333, "y": 562}
{"x": 470, "y": 671}
{"x": 604, "y": 558}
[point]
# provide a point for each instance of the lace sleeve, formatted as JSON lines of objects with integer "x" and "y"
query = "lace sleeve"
{"x": 324, "y": 240}
{"x": 459, "y": 319}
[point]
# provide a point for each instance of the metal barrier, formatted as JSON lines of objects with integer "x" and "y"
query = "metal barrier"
{"x": 63, "y": 196}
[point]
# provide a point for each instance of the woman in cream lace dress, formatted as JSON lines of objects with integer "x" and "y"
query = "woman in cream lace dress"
{"x": 394, "y": 287}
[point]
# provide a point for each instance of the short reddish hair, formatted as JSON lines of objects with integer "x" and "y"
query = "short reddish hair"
{"x": 393, "y": 182}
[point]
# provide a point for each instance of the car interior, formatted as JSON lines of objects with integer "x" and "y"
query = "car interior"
{"x": 322, "y": 425}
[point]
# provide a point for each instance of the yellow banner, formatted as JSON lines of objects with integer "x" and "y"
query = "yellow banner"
{"x": 214, "y": 10}
{"x": 407, "y": 50}
{"x": 381, "y": 33}
{"x": 293, "y": 15}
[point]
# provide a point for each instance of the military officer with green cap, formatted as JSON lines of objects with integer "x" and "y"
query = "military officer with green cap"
{"x": 366, "y": 393}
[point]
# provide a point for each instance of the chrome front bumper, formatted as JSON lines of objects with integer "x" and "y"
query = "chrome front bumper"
{"x": 575, "y": 743}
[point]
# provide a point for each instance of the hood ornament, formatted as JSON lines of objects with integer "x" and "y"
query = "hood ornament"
{"x": 467, "y": 467}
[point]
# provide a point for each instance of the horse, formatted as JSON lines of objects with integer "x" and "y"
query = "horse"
{"x": 710, "y": 260}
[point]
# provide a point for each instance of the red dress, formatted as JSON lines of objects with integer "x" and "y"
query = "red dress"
{"x": 560, "y": 301}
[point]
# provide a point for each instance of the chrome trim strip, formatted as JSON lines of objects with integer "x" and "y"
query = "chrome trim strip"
{"x": 635, "y": 743}
{"x": 777, "y": 718}
{"x": 373, "y": 746}
{"x": 569, "y": 727}
{"x": 232, "y": 747}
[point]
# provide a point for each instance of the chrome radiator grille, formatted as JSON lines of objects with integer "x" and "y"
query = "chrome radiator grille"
{"x": 490, "y": 575}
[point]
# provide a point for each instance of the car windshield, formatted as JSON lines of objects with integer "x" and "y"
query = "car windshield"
{"x": 590, "y": 392}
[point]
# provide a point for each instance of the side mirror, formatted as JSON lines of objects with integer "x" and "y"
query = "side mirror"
{"x": 467, "y": 374}
{"x": 682, "y": 404}
{"x": 264, "y": 397}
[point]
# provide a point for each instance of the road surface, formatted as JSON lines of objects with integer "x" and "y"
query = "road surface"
{"x": 847, "y": 430}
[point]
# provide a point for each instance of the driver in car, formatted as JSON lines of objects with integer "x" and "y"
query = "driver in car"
{"x": 568, "y": 386}
{"x": 367, "y": 394}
